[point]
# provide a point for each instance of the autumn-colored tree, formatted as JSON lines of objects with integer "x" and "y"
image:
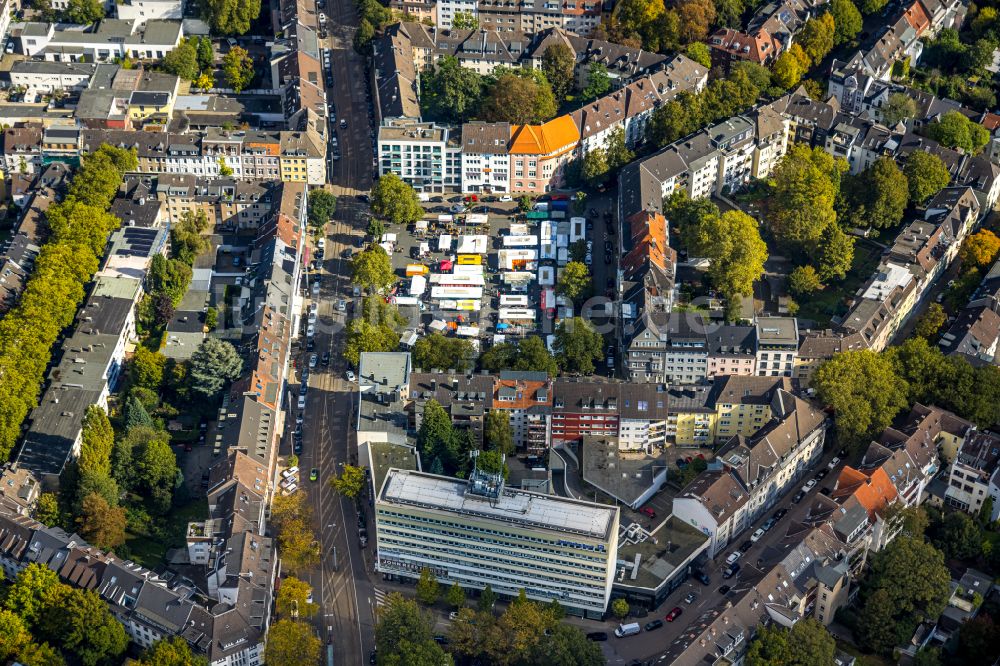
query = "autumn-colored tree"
{"x": 293, "y": 598}
{"x": 101, "y": 524}
{"x": 291, "y": 643}
{"x": 696, "y": 16}
{"x": 980, "y": 249}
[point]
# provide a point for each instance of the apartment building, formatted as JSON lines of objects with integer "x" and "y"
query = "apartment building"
{"x": 228, "y": 203}
{"x": 467, "y": 398}
{"x": 424, "y": 155}
{"x": 485, "y": 158}
{"x": 974, "y": 474}
{"x": 141, "y": 11}
{"x": 477, "y": 532}
{"x": 539, "y": 154}
{"x": 635, "y": 414}
{"x": 777, "y": 345}
{"x": 526, "y": 397}
{"x": 975, "y": 333}
{"x": 108, "y": 40}
{"x": 756, "y": 471}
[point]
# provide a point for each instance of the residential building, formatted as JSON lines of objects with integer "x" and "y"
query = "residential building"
{"x": 743, "y": 405}
{"x": 634, "y": 414}
{"x": 466, "y": 397}
{"x": 476, "y": 533}
{"x": 973, "y": 472}
{"x": 526, "y": 397}
{"x": 383, "y": 390}
{"x": 975, "y": 333}
{"x": 141, "y": 11}
{"x": 777, "y": 346}
{"x": 110, "y": 39}
{"x": 756, "y": 471}
{"x": 485, "y": 156}
{"x": 539, "y": 154}
{"x": 423, "y": 155}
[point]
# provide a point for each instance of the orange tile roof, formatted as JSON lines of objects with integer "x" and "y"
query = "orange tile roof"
{"x": 649, "y": 241}
{"x": 917, "y": 18}
{"x": 873, "y": 491}
{"x": 527, "y": 391}
{"x": 559, "y": 133}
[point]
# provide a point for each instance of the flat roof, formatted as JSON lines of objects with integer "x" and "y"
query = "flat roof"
{"x": 520, "y": 507}
{"x": 671, "y": 545}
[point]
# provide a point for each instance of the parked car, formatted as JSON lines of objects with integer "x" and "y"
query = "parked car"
{"x": 810, "y": 484}
{"x": 731, "y": 571}
{"x": 778, "y": 515}
{"x": 326, "y": 358}
{"x": 723, "y": 590}
{"x": 349, "y": 375}
{"x": 342, "y": 305}
{"x": 733, "y": 556}
{"x": 833, "y": 463}
{"x": 701, "y": 577}
{"x": 746, "y": 545}
{"x": 302, "y": 402}
{"x": 343, "y": 123}
{"x": 674, "y": 614}
{"x": 648, "y": 511}
{"x": 597, "y": 636}
{"x": 798, "y": 497}
{"x": 453, "y": 615}
{"x": 755, "y": 537}
{"x": 654, "y": 625}
{"x": 505, "y": 198}
{"x": 689, "y": 599}
{"x": 313, "y": 360}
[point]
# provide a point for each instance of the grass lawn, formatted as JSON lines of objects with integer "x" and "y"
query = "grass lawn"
{"x": 823, "y": 305}
{"x": 149, "y": 549}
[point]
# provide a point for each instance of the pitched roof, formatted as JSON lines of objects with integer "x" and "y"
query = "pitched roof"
{"x": 558, "y": 134}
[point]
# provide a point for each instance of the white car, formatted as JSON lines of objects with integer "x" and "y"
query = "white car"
{"x": 313, "y": 360}
{"x": 755, "y": 537}
{"x": 312, "y": 317}
{"x": 302, "y": 402}
{"x": 810, "y": 484}
{"x": 733, "y": 556}
{"x": 505, "y": 198}
{"x": 834, "y": 462}
{"x": 321, "y": 244}
{"x": 350, "y": 375}
{"x": 342, "y": 305}
{"x": 315, "y": 288}
{"x": 310, "y": 330}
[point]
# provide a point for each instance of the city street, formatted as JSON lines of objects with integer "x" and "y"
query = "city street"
{"x": 341, "y": 584}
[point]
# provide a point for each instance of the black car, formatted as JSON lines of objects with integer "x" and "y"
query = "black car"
{"x": 441, "y": 639}
{"x": 724, "y": 589}
{"x": 820, "y": 475}
{"x": 297, "y": 447}
{"x": 733, "y": 569}
{"x": 701, "y": 577}
{"x": 798, "y": 497}
{"x": 326, "y": 358}
{"x": 311, "y": 345}
{"x": 654, "y": 625}
{"x": 825, "y": 491}
{"x": 372, "y": 658}
{"x": 746, "y": 545}
{"x": 779, "y": 514}
{"x": 597, "y": 636}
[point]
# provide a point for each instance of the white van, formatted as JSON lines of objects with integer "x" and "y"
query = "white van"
{"x": 624, "y": 630}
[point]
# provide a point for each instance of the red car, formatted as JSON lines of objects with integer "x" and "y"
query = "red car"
{"x": 674, "y": 614}
{"x": 649, "y": 512}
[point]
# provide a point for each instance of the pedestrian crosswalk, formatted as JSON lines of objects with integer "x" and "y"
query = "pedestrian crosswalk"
{"x": 380, "y": 597}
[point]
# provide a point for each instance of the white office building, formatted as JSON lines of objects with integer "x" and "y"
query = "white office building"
{"x": 476, "y": 532}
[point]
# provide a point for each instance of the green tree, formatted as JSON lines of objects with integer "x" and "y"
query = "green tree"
{"x": 847, "y": 20}
{"x": 372, "y": 269}
{"x": 47, "y": 510}
{"x": 437, "y": 351}
{"x": 497, "y": 434}
{"x": 954, "y": 130}
{"x": 834, "y": 253}
{"x": 864, "y": 391}
{"x": 817, "y": 37}
{"x": 620, "y": 608}
{"x": 804, "y": 280}
{"x": 182, "y": 61}
{"x": 350, "y": 483}
{"x": 211, "y": 318}
{"x": 558, "y": 64}
{"x": 97, "y": 440}
{"x": 957, "y": 536}
{"x": 101, "y": 524}
{"x": 487, "y": 599}
{"x": 598, "y": 82}
{"x": 807, "y": 643}
{"x": 146, "y": 368}
{"x": 83, "y": 12}
{"x": 375, "y": 329}
{"x": 881, "y": 195}
{"x": 907, "y": 583}
{"x": 595, "y": 166}
{"x": 806, "y": 184}
{"x": 733, "y": 244}
{"x": 436, "y": 437}
{"x": 169, "y": 277}
{"x": 574, "y": 281}
{"x": 363, "y": 36}
{"x": 566, "y": 645}
{"x": 450, "y": 92}
{"x": 322, "y": 206}
{"x": 464, "y": 21}
{"x": 789, "y": 68}
{"x": 869, "y": 7}
{"x": 230, "y": 17}
{"x": 519, "y": 97}
{"x": 928, "y": 656}
{"x": 898, "y": 108}
{"x": 977, "y": 641}
{"x": 926, "y": 175}
{"x": 173, "y": 651}
{"x": 528, "y": 354}
{"x": 700, "y": 53}
{"x": 577, "y": 346}
{"x": 293, "y": 599}
{"x": 394, "y": 200}
{"x": 237, "y": 67}
{"x": 155, "y": 464}
{"x": 206, "y": 54}
{"x": 456, "y": 596}
{"x": 14, "y": 636}
{"x": 213, "y": 365}
{"x": 136, "y": 415}
{"x": 428, "y": 590}
{"x": 617, "y": 151}
{"x": 291, "y": 643}
{"x": 689, "y": 215}
{"x": 83, "y": 626}
{"x": 931, "y": 321}
{"x": 695, "y": 17}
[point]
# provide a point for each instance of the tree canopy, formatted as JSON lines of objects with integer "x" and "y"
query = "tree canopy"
{"x": 846, "y": 19}
{"x": 291, "y": 643}
{"x": 213, "y": 364}
{"x": 230, "y": 17}
{"x": 450, "y": 92}
{"x": 577, "y": 346}
{"x": 371, "y": 269}
{"x": 237, "y": 66}
{"x": 558, "y": 64}
{"x": 527, "y": 353}
{"x": 926, "y": 175}
{"x": 395, "y": 201}
{"x": 954, "y": 130}
{"x": 520, "y": 97}
{"x": 806, "y": 183}
{"x": 807, "y": 643}
{"x": 437, "y": 351}
{"x": 322, "y": 206}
